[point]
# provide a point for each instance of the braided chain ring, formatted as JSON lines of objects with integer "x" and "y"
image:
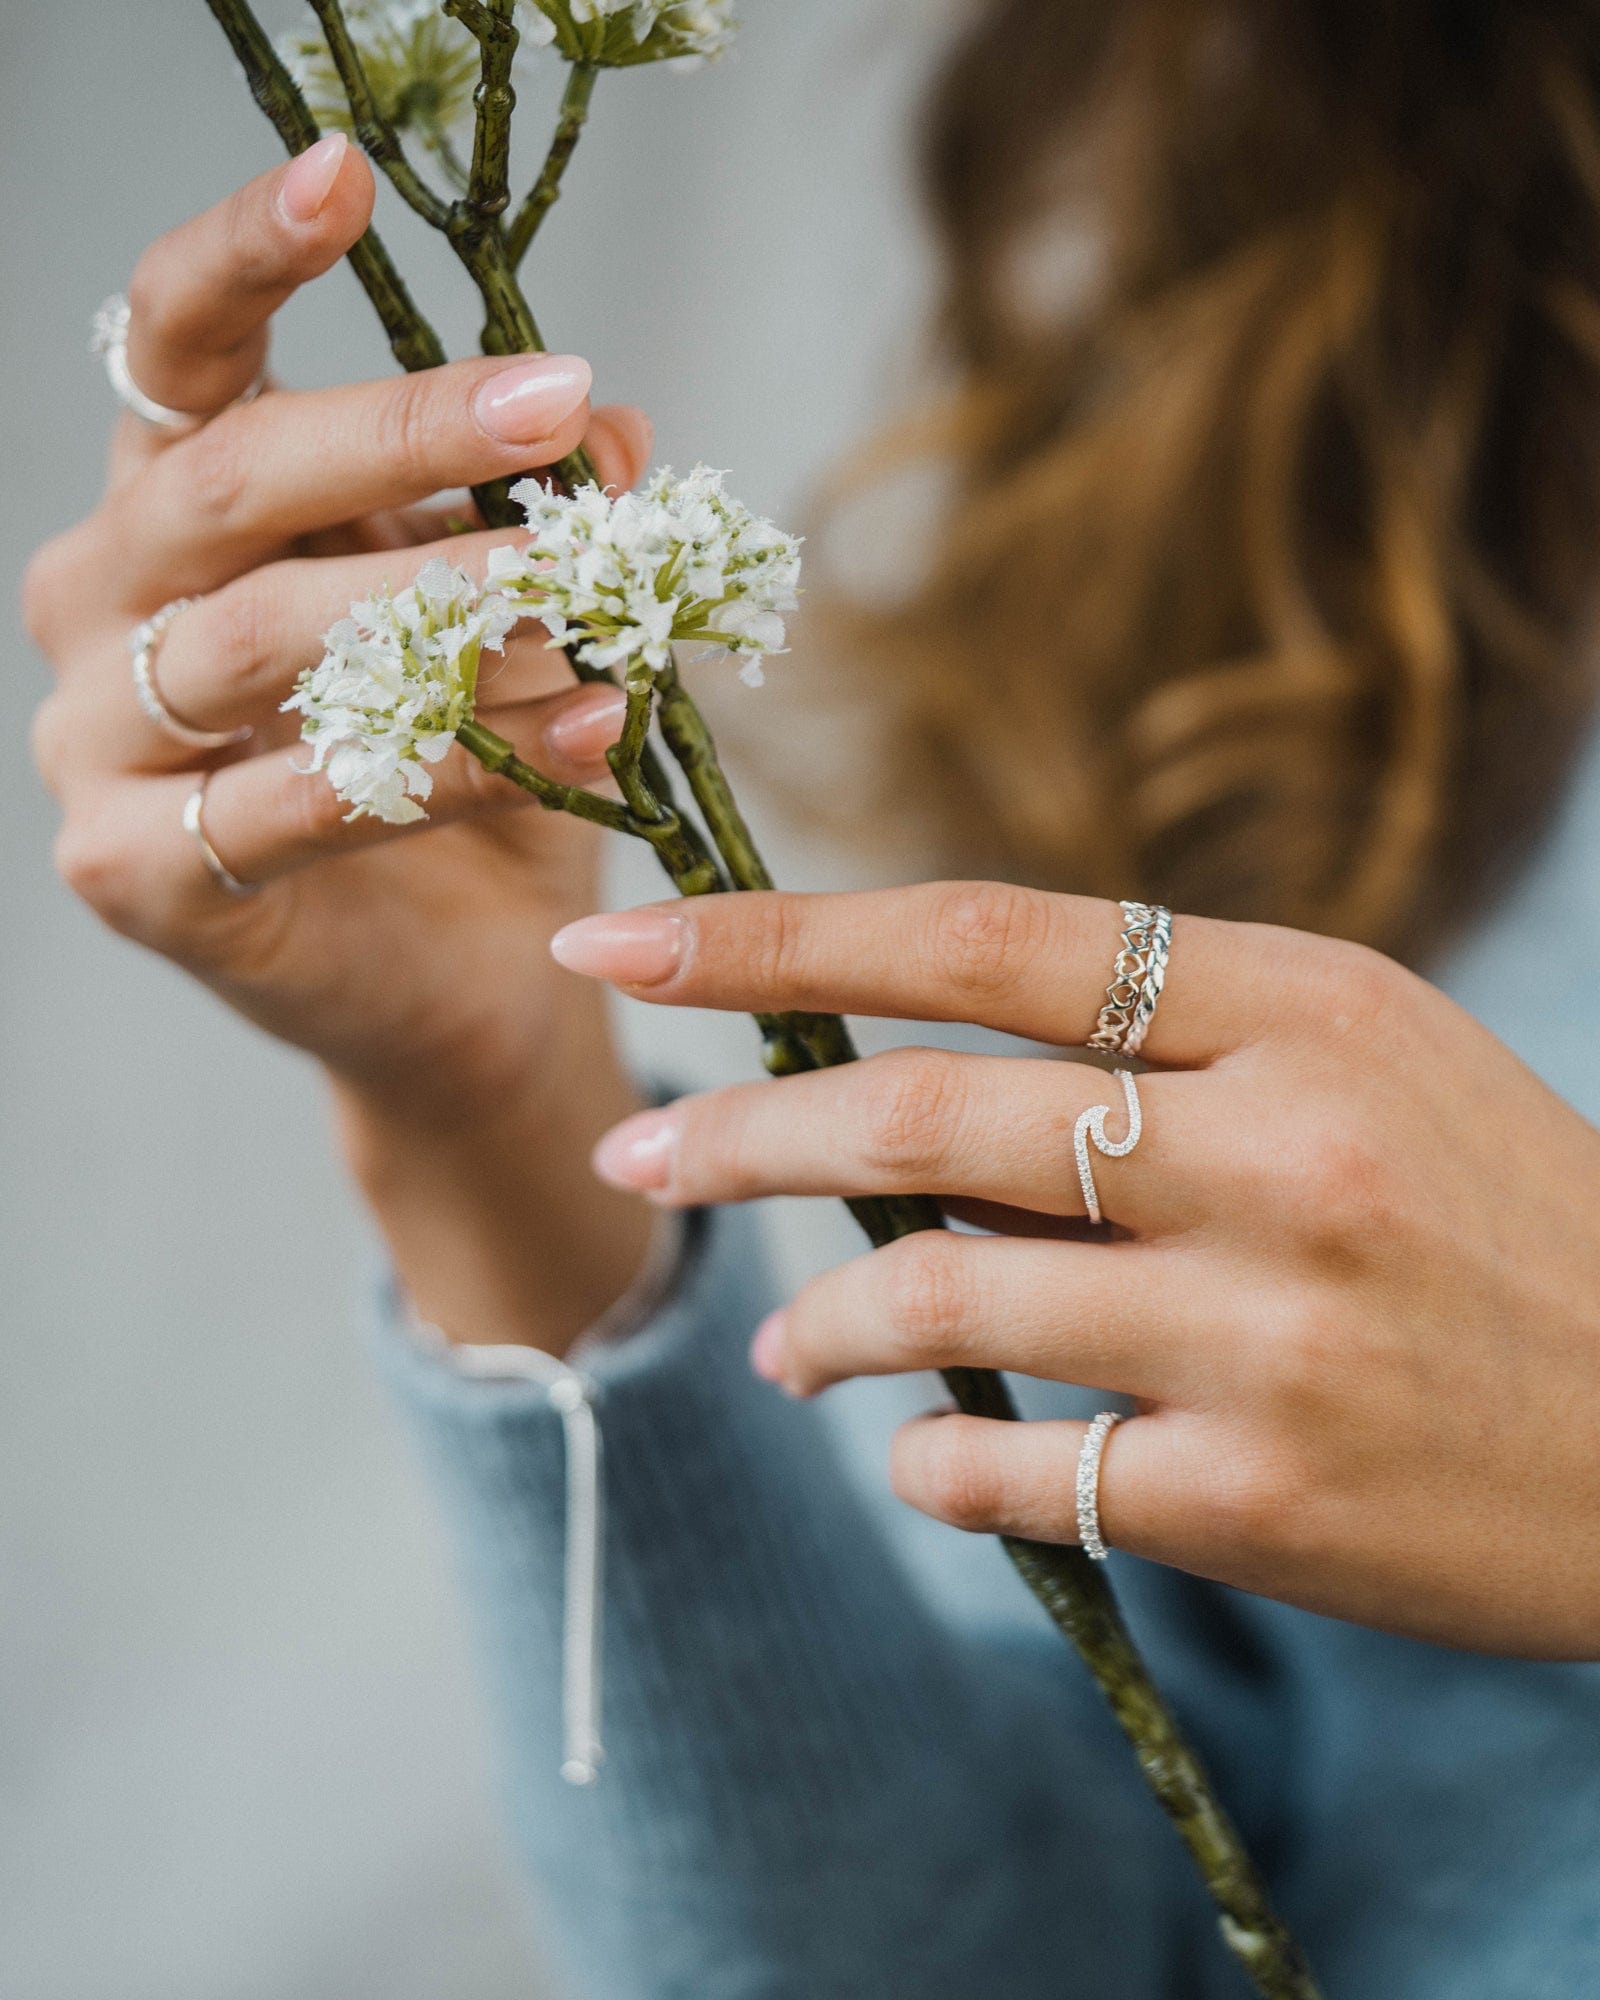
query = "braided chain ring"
{"x": 1155, "y": 977}
{"x": 1129, "y": 978}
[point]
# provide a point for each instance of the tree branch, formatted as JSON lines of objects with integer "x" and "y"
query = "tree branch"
{"x": 546, "y": 190}
{"x": 489, "y": 179}
{"x": 377, "y": 137}
{"x": 412, "y": 340}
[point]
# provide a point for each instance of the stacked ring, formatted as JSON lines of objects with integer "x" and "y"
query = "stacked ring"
{"x": 1136, "y": 980}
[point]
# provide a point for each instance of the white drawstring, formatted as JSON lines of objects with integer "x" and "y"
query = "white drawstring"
{"x": 571, "y": 1395}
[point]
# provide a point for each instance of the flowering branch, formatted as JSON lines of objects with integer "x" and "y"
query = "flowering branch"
{"x": 376, "y": 136}
{"x": 412, "y": 340}
{"x": 617, "y": 582}
{"x": 542, "y": 196}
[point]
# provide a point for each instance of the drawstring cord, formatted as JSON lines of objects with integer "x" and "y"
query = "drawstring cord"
{"x": 571, "y": 1395}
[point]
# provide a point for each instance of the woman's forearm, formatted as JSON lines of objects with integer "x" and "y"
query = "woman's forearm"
{"x": 498, "y": 1230}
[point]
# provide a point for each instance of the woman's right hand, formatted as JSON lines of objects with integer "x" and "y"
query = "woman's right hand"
{"x": 411, "y": 962}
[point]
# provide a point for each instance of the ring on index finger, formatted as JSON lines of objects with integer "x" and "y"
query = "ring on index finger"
{"x": 109, "y": 339}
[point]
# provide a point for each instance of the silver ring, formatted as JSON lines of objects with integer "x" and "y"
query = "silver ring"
{"x": 144, "y": 642}
{"x": 194, "y": 825}
{"x": 1155, "y": 977}
{"x": 1091, "y": 1130}
{"x": 1088, "y": 1488}
{"x": 1136, "y": 980}
{"x": 109, "y": 339}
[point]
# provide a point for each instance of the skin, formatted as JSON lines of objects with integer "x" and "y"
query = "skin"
{"x": 411, "y": 963}
{"x": 1351, "y": 1278}
{"x": 1353, "y": 1283}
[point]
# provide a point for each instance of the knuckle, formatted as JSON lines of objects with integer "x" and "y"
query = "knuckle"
{"x": 150, "y": 289}
{"x": 50, "y": 738}
{"x": 214, "y": 466}
{"x": 767, "y": 931}
{"x": 237, "y": 627}
{"x": 407, "y": 429}
{"x": 1341, "y": 1182}
{"x": 912, "y": 1107}
{"x": 978, "y": 933}
{"x": 47, "y": 589}
{"x": 926, "y": 1288}
{"x": 95, "y": 867}
{"x": 958, "y": 1481}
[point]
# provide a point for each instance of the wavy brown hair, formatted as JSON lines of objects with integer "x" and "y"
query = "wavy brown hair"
{"x": 1265, "y": 583}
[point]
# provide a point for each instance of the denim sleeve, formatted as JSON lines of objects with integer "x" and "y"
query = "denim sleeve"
{"x": 814, "y": 1788}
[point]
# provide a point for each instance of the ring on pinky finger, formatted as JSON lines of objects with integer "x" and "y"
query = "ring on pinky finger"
{"x": 987, "y": 1476}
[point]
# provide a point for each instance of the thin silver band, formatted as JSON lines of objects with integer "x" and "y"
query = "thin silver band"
{"x": 1158, "y": 952}
{"x": 109, "y": 339}
{"x": 1142, "y": 924}
{"x": 144, "y": 642}
{"x": 1088, "y": 1488}
{"x": 194, "y": 825}
{"x": 1091, "y": 1130}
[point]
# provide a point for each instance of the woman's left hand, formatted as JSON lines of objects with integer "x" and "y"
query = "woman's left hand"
{"x": 1353, "y": 1283}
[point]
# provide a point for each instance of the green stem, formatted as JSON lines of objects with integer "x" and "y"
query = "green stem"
{"x": 1071, "y": 1589}
{"x": 546, "y": 190}
{"x": 495, "y": 754}
{"x": 489, "y": 177}
{"x": 376, "y": 136}
{"x": 412, "y": 340}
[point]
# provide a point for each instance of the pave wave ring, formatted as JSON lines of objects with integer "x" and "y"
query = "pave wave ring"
{"x": 144, "y": 641}
{"x": 109, "y": 339}
{"x": 1088, "y": 1486}
{"x": 1136, "y": 980}
{"x": 1090, "y": 1130}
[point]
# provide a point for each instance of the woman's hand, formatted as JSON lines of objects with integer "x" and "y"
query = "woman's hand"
{"x": 1353, "y": 1286}
{"x": 411, "y": 962}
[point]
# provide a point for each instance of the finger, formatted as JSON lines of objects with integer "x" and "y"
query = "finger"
{"x": 267, "y": 473}
{"x": 203, "y": 295}
{"x": 229, "y": 660}
{"x": 620, "y": 440}
{"x": 1126, "y": 1319}
{"x": 927, "y": 1121}
{"x": 996, "y": 1478}
{"x": 265, "y": 818}
{"x": 1019, "y": 960}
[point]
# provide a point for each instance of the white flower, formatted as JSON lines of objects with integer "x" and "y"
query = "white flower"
{"x": 619, "y": 33}
{"x": 421, "y": 63}
{"x": 396, "y": 682}
{"x": 621, "y": 578}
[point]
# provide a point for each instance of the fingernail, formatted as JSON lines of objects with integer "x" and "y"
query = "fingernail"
{"x": 631, "y": 947}
{"x": 582, "y": 734}
{"x": 525, "y": 404}
{"x": 638, "y": 1153}
{"x": 309, "y": 177}
{"x": 766, "y": 1350}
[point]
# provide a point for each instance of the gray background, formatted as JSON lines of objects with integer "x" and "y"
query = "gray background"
{"x": 240, "y": 1754}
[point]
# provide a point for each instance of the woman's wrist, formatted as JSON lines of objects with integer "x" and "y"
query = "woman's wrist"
{"x": 497, "y": 1227}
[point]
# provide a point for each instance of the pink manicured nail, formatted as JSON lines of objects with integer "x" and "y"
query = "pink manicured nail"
{"x": 766, "y": 1350}
{"x": 583, "y": 734}
{"x": 631, "y": 947}
{"x": 527, "y": 403}
{"x": 638, "y": 1153}
{"x": 309, "y": 177}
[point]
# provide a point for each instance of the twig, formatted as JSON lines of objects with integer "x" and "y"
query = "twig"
{"x": 412, "y": 340}
{"x": 1071, "y": 1589}
{"x": 546, "y": 190}
{"x": 377, "y": 136}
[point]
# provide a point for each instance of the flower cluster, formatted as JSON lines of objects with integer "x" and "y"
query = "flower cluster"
{"x": 396, "y": 682}
{"x": 421, "y": 63}
{"x": 619, "y": 33}
{"x": 623, "y": 577}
